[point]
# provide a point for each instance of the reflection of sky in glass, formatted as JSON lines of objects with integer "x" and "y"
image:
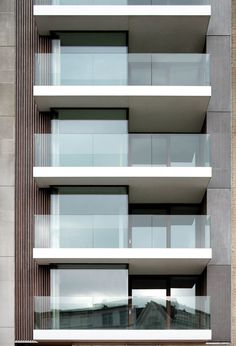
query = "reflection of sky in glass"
{"x": 140, "y": 297}
{"x": 93, "y": 303}
{"x": 91, "y": 204}
{"x": 94, "y": 283}
{"x": 184, "y": 297}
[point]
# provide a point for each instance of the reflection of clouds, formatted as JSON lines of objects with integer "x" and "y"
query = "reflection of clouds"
{"x": 182, "y": 298}
{"x": 148, "y": 313}
{"x": 92, "y": 282}
{"x": 186, "y": 296}
{"x": 74, "y": 303}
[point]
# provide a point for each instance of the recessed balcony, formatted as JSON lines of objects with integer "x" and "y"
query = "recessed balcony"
{"x": 157, "y": 168}
{"x": 136, "y": 318}
{"x": 153, "y": 25}
{"x": 163, "y": 92}
{"x": 150, "y": 244}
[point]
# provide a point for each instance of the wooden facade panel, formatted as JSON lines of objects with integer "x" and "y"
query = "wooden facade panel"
{"x": 31, "y": 280}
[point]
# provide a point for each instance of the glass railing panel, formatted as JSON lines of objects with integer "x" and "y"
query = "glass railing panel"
{"x": 81, "y": 150}
{"x": 137, "y": 312}
{"x": 169, "y": 150}
{"x": 148, "y": 231}
{"x": 172, "y": 312}
{"x": 122, "y": 231}
{"x": 140, "y": 150}
{"x": 190, "y": 313}
{"x": 93, "y": 69}
{"x": 180, "y": 69}
{"x": 187, "y": 231}
{"x": 81, "y": 312}
{"x": 122, "y": 150}
{"x": 121, "y": 2}
{"x": 81, "y": 231}
{"x": 122, "y": 69}
{"x": 170, "y": 231}
{"x": 195, "y": 153}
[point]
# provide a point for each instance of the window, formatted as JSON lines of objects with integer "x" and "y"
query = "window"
{"x": 90, "y": 58}
{"x": 89, "y": 137}
{"x": 89, "y": 285}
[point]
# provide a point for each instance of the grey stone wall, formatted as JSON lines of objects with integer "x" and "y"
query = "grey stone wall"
{"x": 218, "y": 125}
{"x": 7, "y": 163}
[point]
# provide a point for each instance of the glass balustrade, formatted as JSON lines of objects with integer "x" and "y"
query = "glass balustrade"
{"x": 122, "y": 2}
{"x": 122, "y": 150}
{"x": 136, "y": 312}
{"x": 122, "y": 69}
{"x": 122, "y": 231}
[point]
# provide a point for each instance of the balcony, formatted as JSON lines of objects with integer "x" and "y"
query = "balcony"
{"x": 170, "y": 91}
{"x": 150, "y": 244}
{"x": 137, "y": 318}
{"x": 157, "y": 168}
{"x": 171, "y": 25}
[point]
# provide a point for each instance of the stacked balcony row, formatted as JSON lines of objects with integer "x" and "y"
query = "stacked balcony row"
{"x": 159, "y": 155}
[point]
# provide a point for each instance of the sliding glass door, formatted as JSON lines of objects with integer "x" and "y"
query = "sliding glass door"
{"x": 89, "y": 217}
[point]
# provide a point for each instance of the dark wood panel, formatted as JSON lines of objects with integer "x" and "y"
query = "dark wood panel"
{"x": 30, "y": 279}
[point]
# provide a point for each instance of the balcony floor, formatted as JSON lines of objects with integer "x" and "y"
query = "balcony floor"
{"x": 122, "y": 335}
{"x": 161, "y": 24}
{"x": 150, "y": 261}
{"x": 146, "y": 184}
{"x": 180, "y": 108}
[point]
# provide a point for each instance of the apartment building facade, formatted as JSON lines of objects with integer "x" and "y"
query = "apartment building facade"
{"x": 121, "y": 172}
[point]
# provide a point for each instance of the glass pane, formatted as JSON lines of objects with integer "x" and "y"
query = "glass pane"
{"x": 89, "y": 204}
{"x": 89, "y": 220}
{"x": 184, "y": 151}
{"x": 185, "y": 289}
{"x": 112, "y": 230}
{"x": 110, "y": 150}
{"x": 92, "y": 283}
{"x": 86, "y": 150}
{"x": 142, "y": 313}
{"x": 160, "y": 150}
{"x": 179, "y": 69}
{"x": 93, "y": 69}
{"x": 183, "y": 231}
{"x": 160, "y": 224}
{"x": 75, "y": 231}
{"x": 69, "y": 150}
{"x": 91, "y": 150}
{"x": 112, "y": 65}
{"x": 140, "y": 150}
{"x": 150, "y": 312}
{"x": 148, "y": 231}
{"x": 140, "y": 69}
{"x": 141, "y": 231}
